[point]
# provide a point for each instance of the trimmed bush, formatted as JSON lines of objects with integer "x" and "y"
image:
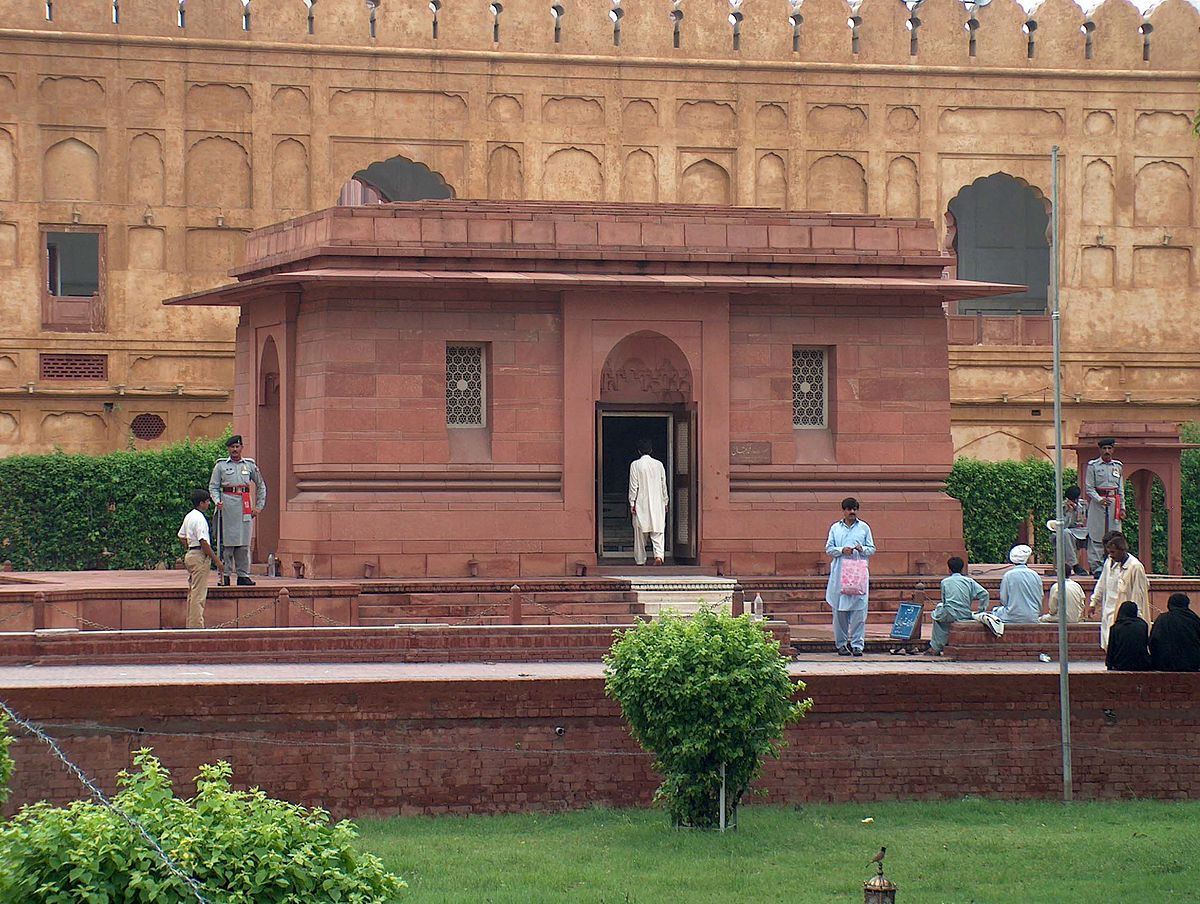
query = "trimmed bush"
{"x": 699, "y": 693}
{"x": 121, "y": 510}
{"x": 241, "y": 846}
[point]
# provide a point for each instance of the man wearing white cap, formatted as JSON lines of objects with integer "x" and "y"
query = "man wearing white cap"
{"x": 1020, "y": 594}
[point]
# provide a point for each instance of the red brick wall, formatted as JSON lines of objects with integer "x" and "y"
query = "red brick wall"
{"x": 490, "y": 745}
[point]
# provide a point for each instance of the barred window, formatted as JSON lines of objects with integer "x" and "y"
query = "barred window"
{"x": 810, "y": 395}
{"x": 464, "y": 386}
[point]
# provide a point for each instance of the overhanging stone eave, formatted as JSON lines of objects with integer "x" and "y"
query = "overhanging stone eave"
{"x": 246, "y": 292}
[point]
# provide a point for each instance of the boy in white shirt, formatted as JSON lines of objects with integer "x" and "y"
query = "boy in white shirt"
{"x": 193, "y": 534}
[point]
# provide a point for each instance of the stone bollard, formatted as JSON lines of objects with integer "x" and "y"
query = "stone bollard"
{"x": 283, "y": 608}
{"x": 738, "y": 606}
{"x": 39, "y": 611}
{"x": 515, "y": 614}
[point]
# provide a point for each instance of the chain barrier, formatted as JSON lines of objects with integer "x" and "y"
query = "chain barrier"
{"x": 20, "y": 610}
{"x": 477, "y": 618}
{"x": 269, "y": 604}
{"x": 315, "y": 614}
{"x": 79, "y": 618}
{"x": 132, "y": 822}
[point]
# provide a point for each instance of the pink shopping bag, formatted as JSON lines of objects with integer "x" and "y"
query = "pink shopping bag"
{"x": 854, "y": 577}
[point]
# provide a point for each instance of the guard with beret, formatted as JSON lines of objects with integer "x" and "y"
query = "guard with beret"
{"x": 1104, "y": 486}
{"x": 239, "y": 493}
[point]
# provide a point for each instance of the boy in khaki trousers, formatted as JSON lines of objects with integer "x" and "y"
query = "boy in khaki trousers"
{"x": 193, "y": 534}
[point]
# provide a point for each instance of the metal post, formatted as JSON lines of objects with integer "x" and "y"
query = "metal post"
{"x": 722, "y": 797}
{"x": 1060, "y": 558}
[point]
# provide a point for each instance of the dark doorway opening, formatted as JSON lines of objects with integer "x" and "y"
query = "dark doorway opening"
{"x": 619, "y": 434}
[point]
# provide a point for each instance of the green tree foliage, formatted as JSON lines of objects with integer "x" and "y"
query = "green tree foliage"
{"x": 121, "y": 510}
{"x": 241, "y": 846}
{"x": 698, "y": 693}
{"x": 997, "y": 497}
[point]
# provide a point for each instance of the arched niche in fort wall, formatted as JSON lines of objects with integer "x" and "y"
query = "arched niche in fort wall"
{"x": 1175, "y": 41}
{"x": 76, "y": 430}
{"x": 71, "y": 172}
{"x": 8, "y": 166}
{"x": 291, "y": 109}
{"x": 704, "y": 180}
{"x": 770, "y": 180}
{"x": 836, "y": 182}
{"x": 1162, "y": 193}
{"x": 10, "y": 430}
{"x": 506, "y": 173}
{"x": 218, "y": 106}
{"x": 639, "y": 177}
{"x": 1099, "y": 205}
{"x": 290, "y": 177}
{"x": 217, "y": 173}
{"x": 81, "y": 98}
{"x": 1160, "y": 266}
{"x": 1117, "y": 42}
{"x": 144, "y": 171}
{"x": 572, "y": 110}
{"x": 646, "y": 367}
{"x": 8, "y": 249}
{"x": 824, "y": 36}
{"x": 573, "y": 174}
{"x": 903, "y": 188}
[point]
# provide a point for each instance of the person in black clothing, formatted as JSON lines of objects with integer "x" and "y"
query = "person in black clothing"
{"x": 1175, "y": 640}
{"x": 1127, "y": 641}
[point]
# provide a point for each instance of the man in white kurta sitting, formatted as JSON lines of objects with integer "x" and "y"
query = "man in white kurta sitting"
{"x": 648, "y": 503}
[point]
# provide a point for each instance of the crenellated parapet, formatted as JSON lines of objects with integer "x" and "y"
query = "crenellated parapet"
{"x": 1055, "y": 34}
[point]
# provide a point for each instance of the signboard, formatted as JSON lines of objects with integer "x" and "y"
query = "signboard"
{"x": 907, "y": 625}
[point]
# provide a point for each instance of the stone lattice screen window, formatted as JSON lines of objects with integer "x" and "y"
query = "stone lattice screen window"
{"x": 148, "y": 426}
{"x": 465, "y": 386}
{"x": 810, "y": 396}
{"x": 73, "y": 367}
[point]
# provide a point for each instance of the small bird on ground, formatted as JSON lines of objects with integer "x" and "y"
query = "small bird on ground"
{"x": 878, "y": 858}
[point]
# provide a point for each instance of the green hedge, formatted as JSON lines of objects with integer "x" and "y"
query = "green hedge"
{"x": 121, "y": 510}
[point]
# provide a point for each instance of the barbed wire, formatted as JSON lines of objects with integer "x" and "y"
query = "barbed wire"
{"x": 135, "y": 824}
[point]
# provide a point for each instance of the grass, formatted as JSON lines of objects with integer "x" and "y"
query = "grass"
{"x": 953, "y": 852}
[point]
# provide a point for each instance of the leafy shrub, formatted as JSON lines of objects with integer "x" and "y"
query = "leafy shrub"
{"x": 241, "y": 846}
{"x": 997, "y": 497}
{"x": 699, "y": 693}
{"x": 6, "y": 760}
{"x": 121, "y": 510}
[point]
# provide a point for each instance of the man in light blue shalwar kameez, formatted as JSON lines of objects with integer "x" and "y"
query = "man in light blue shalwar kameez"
{"x": 848, "y": 538}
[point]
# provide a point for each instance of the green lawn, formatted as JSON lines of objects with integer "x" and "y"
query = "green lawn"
{"x": 1140, "y": 852}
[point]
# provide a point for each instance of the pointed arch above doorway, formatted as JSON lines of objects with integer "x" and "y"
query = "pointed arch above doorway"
{"x": 646, "y": 368}
{"x": 394, "y": 179}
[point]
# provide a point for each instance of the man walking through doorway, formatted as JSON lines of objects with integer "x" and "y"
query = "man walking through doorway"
{"x": 648, "y": 503}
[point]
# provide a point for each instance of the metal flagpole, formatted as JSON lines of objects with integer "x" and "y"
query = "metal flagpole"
{"x": 1060, "y": 557}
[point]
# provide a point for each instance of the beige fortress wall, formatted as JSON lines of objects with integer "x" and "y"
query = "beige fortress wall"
{"x": 177, "y": 141}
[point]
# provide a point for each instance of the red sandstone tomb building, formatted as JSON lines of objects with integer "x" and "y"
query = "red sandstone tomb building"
{"x": 443, "y": 387}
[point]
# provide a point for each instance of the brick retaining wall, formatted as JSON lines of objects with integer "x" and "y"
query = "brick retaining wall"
{"x": 488, "y": 744}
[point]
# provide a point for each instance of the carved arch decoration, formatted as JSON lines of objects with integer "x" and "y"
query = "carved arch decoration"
{"x": 951, "y": 224}
{"x": 395, "y": 179}
{"x": 837, "y": 182}
{"x": 639, "y": 177}
{"x": 289, "y": 176}
{"x": 705, "y": 182}
{"x": 145, "y": 173}
{"x": 217, "y": 173}
{"x": 646, "y": 366}
{"x": 8, "y": 167}
{"x": 506, "y": 174}
{"x": 1162, "y": 194}
{"x": 572, "y": 174}
{"x": 71, "y": 172}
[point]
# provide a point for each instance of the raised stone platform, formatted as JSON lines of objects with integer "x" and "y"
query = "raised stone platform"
{"x": 382, "y": 739}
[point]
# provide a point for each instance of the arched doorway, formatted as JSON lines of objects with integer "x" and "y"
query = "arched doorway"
{"x": 266, "y": 430}
{"x": 646, "y": 393}
{"x": 1000, "y": 235}
{"x": 394, "y": 179}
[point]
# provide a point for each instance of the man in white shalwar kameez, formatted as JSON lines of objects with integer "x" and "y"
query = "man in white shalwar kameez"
{"x": 848, "y": 538}
{"x": 648, "y": 503}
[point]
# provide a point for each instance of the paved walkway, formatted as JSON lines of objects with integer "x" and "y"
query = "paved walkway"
{"x": 14, "y": 677}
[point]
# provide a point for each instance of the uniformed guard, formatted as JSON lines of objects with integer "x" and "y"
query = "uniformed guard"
{"x": 1104, "y": 484}
{"x": 233, "y": 479}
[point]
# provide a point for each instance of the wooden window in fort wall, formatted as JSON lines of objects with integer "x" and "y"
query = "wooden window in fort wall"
{"x": 73, "y": 279}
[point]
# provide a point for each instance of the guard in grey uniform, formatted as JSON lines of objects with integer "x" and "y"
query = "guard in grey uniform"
{"x": 1104, "y": 485}
{"x": 233, "y": 481}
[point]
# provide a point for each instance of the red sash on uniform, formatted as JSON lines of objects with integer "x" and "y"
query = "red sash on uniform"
{"x": 244, "y": 493}
{"x": 1118, "y": 513}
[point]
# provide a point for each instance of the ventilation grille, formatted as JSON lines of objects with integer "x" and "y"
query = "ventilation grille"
{"x": 464, "y": 385}
{"x": 148, "y": 426}
{"x": 73, "y": 367}
{"x": 808, "y": 387}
